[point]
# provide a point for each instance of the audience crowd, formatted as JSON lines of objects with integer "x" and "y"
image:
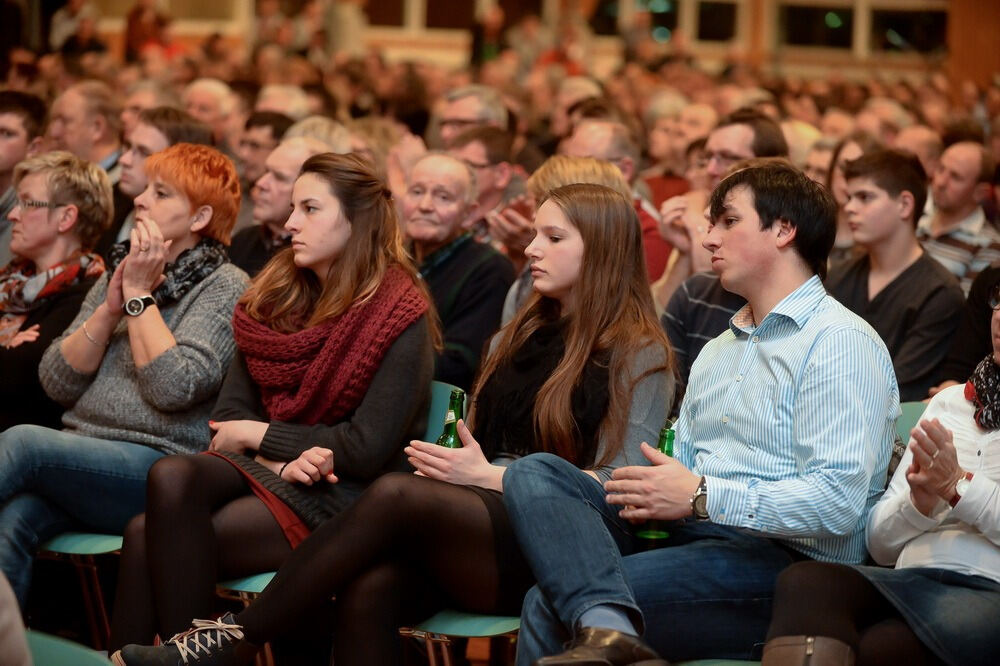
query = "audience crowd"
{"x": 229, "y": 275}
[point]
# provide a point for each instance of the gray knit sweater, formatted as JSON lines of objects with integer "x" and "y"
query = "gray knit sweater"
{"x": 166, "y": 404}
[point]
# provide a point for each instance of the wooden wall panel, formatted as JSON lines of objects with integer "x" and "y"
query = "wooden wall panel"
{"x": 973, "y": 40}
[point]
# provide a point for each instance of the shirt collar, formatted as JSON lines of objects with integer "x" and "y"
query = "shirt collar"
{"x": 972, "y": 224}
{"x": 110, "y": 161}
{"x": 797, "y": 306}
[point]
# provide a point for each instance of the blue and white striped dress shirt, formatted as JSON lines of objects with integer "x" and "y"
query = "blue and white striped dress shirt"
{"x": 792, "y": 423}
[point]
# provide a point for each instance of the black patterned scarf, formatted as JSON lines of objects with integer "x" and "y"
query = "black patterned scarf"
{"x": 983, "y": 390}
{"x": 191, "y": 267}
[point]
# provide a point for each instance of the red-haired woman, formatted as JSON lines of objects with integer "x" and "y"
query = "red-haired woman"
{"x": 139, "y": 367}
{"x": 332, "y": 374}
{"x": 583, "y": 371}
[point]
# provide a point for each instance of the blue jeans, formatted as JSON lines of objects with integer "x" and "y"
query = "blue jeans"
{"x": 708, "y": 594}
{"x": 50, "y": 480}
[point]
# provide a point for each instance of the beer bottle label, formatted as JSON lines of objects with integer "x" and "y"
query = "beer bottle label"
{"x": 450, "y": 417}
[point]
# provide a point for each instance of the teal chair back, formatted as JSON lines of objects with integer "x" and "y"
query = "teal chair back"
{"x": 440, "y": 394}
{"x": 911, "y": 413}
{"x": 49, "y": 650}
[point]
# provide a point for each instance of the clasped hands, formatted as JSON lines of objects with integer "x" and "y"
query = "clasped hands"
{"x": 661, "y": 491}
{"x": 141, "y": 271}
{"x": 934, "y": 470}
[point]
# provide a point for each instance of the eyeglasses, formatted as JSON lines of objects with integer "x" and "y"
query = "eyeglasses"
{"x": 994, "y": 301}
{"x": 32, "y": 203}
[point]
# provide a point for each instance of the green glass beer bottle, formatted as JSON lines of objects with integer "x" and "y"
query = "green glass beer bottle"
{"x": 654, "y": 531}
{"x": 456, "y": 410}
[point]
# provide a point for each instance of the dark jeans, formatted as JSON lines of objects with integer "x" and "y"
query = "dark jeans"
{"x": 708, "y": 594}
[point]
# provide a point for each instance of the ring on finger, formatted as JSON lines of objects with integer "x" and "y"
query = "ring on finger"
{"x": 931, "y": 466}
{"x": 936, "y": 453}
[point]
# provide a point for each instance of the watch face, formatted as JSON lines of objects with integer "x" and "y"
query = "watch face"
{"x": 701, "y": 505}
{"x": 134, "y": 306}
{"x": 962, "y": 486}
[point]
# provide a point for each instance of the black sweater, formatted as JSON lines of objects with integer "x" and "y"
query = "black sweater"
{"x": 468, "y": 289}
{"x": 22, "y": 399}
{"x": 366, "y": 443}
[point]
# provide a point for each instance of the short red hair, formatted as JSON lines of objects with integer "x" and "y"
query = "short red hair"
{"x": 206, "y": 177}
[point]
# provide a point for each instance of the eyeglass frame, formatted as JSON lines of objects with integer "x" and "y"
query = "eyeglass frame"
{"x": 35, "y": 204}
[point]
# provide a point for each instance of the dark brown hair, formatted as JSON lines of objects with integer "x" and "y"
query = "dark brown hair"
{"x": 289, "y": 299}
{"x": 894, "y": 171}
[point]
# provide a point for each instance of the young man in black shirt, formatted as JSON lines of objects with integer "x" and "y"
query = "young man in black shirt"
{"x": 913, "y": 301}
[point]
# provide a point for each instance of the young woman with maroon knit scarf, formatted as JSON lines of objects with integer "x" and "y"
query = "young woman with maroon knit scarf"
{"x": 331, "y": 377}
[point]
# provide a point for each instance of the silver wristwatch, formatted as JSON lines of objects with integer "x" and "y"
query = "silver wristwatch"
{"x": 699, "y": 501}
{"x": 136, "y": 305}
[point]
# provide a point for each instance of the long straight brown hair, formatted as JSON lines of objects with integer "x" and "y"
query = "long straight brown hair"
{"x": 612, "y": 312}
{"x": 288, "y": 299}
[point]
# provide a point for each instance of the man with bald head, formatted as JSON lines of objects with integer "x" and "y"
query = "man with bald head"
{"x": 611, "y": 141}
{"x": 272, "y": 202}
{"x": 957, "y": 234}
{"x": 467, "y": 280}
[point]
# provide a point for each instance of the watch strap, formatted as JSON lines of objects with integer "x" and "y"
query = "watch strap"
{"x": 956, "y": 497}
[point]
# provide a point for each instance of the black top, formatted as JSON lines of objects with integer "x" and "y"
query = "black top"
{"x": 468, "y": 282}
{"x": 366, "y": 443}
{"x": 22, "y": 399}
{"x": 252, "y": 247}
{"x": 698, "y": 311}
{"x": 916, "y": 316}
{"x": 972, "y": 340}
{"x": 505, "y": 404}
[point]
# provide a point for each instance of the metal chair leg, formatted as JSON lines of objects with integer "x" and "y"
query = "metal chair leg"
{"x": 93, "y": 600}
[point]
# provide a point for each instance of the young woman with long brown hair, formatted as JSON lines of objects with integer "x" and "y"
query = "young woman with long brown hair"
{"x": 583, "y": 370}
{"x": 331, "y": 377}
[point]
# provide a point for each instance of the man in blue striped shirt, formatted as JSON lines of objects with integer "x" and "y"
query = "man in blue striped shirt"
{"x": 781, "y": 448}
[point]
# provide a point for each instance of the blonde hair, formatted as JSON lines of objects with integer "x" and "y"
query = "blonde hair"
{"x": 333, "y": 134}
{"x": 73, "y": 181}
{"x": 561, "y": 170}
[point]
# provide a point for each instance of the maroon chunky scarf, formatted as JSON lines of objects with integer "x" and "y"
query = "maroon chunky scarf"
{"x": 321, "y": 374}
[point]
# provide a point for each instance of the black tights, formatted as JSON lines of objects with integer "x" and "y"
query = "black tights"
{"x": 407, "y": 547}
{"x": 202, "y": 524}
{"x": 833, "y": 600}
